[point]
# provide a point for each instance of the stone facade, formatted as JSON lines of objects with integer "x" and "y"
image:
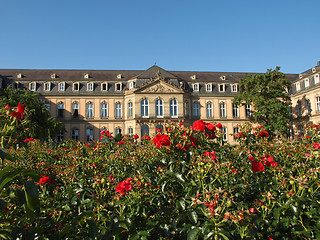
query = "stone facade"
{"x": 138, "y": 102}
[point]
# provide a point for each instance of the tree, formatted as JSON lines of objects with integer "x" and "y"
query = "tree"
{"x": 268, "y": 94}
{"x": 40, "y": 124}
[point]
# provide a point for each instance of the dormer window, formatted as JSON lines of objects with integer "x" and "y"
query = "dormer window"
{"x": 15, "y": 85}
{"x": 298, "y": 87}
{"x": 75, "y": 86}
{"x": 53, "y": 75}
{"x": 104, "y": 86}
{"x": 90, "y": 87}
{"x": 223, "y": 78}
{"x": 314, "y": 70}
{"x": 193, "y": 77}
{"x": 32, "y": 86}
{"x": 316, "y": 79}
{"x": 118, "y": 86}
{"x": 119, "y": 76}
{"x": 209, "y": 87}
{"x": 222, "y": 87}
{"x": 306, "y": 83}
{"x": 131, "y": 84}
{"x": 61, "y": 86}
{"x": 19, "y": 75}
{"x": 86, "y": 75}
{"x": 47, "y": 86}
{"x": 234, "y": 87}
{"x": 300, "y": 76}
{"x": 196, "y": 87}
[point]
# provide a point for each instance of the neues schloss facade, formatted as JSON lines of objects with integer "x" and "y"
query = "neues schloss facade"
{"x": 139, "y": 102}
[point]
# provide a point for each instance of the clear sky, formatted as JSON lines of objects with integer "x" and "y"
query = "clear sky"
{"x": 203, "y": 35}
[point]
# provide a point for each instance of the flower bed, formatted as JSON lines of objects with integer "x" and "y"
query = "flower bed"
{"x": 184, "y": 183}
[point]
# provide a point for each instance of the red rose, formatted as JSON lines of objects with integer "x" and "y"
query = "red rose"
{"x": 199, "y": 125}
{"x": 257, "y": 166}
{"x": 219, "y": 125}
{"x": 45, "y": 180}
{"x": 136, "y": 136}
{"x": 263, "y": 134}
{"x": 124, "y": 186}
{"x": 161, "y": 140}
{"x": 316, "y": 145}
{"x": 146, "y": 138}
{"x": 19, "y": 113}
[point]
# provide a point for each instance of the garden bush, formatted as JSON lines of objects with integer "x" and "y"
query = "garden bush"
{"x": 183, "y": 183}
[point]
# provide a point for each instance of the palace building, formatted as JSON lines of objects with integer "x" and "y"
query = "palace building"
{"x": 139, "y": 102}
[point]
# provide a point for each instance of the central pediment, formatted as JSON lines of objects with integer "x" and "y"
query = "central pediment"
{"x": 159, "y": 86}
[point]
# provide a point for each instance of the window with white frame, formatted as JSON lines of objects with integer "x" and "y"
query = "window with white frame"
{"x": 222, "y": 87}
{"x": 60, "y": 110}
{"x": 130, "y": 109}
{"x": 47, "y": 106}
{"x": 130, "y": 131}
{"x": 60, "y": 136}
{"x": 89, "y": 86}
{"x": 235, "y": 110}
{"x": 173, "y": 108}
{"x": 47, "y": 86}
{"x": 117, "y": 131}
{"x": 316, "y": 79}
{"x": 234, "y": 88}
{"x": 159, "y": 108}
{"x": 104, "y": 86}
{"x": 118, "y": 110}
{"x": 186, "y": 108}
{"x": 75, "y": 86}
{"x": 225, "y": 134}
{"x": 209, "y": 87}
{"x": 75, "y": 134}
{"x": 235, "y": 131}
{"x": 222, "y": 108}
{"x": 248, "y": 110}
{"x": 32, "y": 86}
{"x": 89, "y": 134}
{"x": 131, "y": 85}
{"x": 144, "y": 108}
{"x": 75, "y": 110}
{"x": 104, "y": 110}
{"x": 195, "y": 87}
{"x": 196, "y": 110}
{"x": 298, "y": 87}
{"x": 209, "y": 110}
{"x": 306, "y": 82}
{"x": 118, "y": 86}
{"x": 318, "y": 104}
{"x": 89, "y": 110}
{"x": 61, "y": 86}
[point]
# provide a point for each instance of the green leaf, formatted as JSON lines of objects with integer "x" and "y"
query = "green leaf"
{"x": 193, "y": 233}
{"x": 32, "y": 198}
{"x": 8, "y": 176}
{"x": 2, "y": 154}
{"x": 193, "y": 216}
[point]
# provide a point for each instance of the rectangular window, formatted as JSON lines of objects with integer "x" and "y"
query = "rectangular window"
{"x": 234, "y": 88}
{"x": 316, "y": 79}
{"x": 130, "y": 131}
{"x": 196, "y": 87}
{"x": 75, "y": 110}
{"x": 118, "y": 86}
{"x": 61, "y": 86}
{"x": 306, "y": 83}
{"x": 89, "y": 134}
{"x": 104, "y": 86}
{"x": 298, "y": 88}
{"x": 299, "y": 112}
{"x": 318, "y": 104}
{"x": 196, "y": 110}
{"x": 32, "y": 86}
{"x": 117, "y": 131}
{"x": 159, "y": 108}
{"x": 89, "y": 110}
{"x": 308, "y": 106}
{"x": 248, "y": 110}
{"x": 209, "y": 110}
{"x": 60, "y": 136}
{"x": 104, "y": 110}
{"x": 222, "y": 106}
{"x": 118, "y": 110}
{"x": 186, "y": 109}
{"x": 47, "y": 87}
{"x": 235, "y": 131}
{"x": 209, "y": 87}
{"x": 222, "y": 87}
{"x": 90, "y": 87}
{"x": 47, "y": 106}
{"x": 235, "y": 111}
{"x": 130, "y": 110}
{"x": 60, "y": 110}
{"x": 75, "y": 87}
{"x": 225, "y": 136}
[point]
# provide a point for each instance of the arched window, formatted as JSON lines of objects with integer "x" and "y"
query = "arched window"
{"x": 130, "y": 109}
{"x": 173, "y": 108}
{"x": 159, "y": 108}
{"x": 144, "y": 108}
{"x": 160, "y": 127}
{"x": 248, "y": 110}
{"x": 89, "y": 110}
{"x": 144, "y": 130}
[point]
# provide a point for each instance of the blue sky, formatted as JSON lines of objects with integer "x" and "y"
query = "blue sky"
{"x": 204, "y": 35}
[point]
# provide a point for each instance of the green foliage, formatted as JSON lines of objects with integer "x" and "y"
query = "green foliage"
{"x": 39, "y": 124}
{"x": 204, "y": 190}
{"x": 267, "y": 94}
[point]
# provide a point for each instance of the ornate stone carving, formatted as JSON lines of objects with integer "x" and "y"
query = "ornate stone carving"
{"x": 159, "y": 88}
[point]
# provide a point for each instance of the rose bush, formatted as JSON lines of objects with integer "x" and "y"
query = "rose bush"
{"x": 184, "y": 183}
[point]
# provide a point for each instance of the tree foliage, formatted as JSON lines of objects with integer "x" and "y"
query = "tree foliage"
{"x": 267, "y": 93}
{"x": 40, "y": 125}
